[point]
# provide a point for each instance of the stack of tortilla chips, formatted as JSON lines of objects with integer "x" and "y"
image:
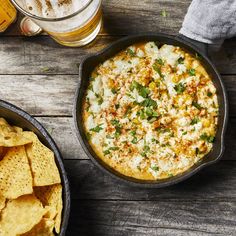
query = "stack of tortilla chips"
{"x": 30, "y": 189}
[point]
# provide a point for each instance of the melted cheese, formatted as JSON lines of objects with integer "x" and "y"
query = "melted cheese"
{"x": 151, "y": 112}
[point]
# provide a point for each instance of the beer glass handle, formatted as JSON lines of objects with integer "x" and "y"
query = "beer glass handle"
{"x": 29, "y": 27}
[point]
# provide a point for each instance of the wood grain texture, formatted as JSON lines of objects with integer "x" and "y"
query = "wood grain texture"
{"x": 215, "y": 182}
{"x": 143, "y": 16}
{"x": 53, "y": 95}
{"x": 164, "y": 217}
{"x": 41, "y": 55}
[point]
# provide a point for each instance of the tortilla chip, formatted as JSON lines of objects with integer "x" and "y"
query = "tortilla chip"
{"x": 15, "y": 174}
{"x": 21, "y": 215}
{"x": 11, "y": 136}
{"x": 2, "y": 202}
{"x": 43, "y": 228}
{"x": 51, "y": 196}
{"x": 3, "y": 152}
{"x": 42, "y": 162}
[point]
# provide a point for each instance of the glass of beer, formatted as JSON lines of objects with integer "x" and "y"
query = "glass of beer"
{"x": 70, "y": 22}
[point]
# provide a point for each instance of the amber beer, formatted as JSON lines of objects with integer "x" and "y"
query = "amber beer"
{"x": 7, "y": 14}
{"x": 81, "y": 32}
{"x": 70, "y": 22}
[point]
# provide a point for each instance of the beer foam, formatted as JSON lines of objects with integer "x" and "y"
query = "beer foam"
{"x": 52, "y": 8}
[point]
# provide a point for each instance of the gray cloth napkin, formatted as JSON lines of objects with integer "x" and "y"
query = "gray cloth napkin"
{"x": 210, "y": 21}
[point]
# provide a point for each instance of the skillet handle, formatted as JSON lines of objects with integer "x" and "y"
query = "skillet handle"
{"x": 203, "y": 47}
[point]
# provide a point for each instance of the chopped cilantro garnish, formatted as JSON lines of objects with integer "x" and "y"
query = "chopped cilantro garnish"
{"x": 131, "y": 52}
{"x": 90, "y": 87}
{"x": 155, "y": 168}
{"x": 198, "y": 56}
{"x": 194, "y": 121}
{"x": 97, "y": 128}
{"x": 184, "y": 133}
{"x": 106, "y": 152}
{"x": 170, "y": 175}
{"x": 133, "y": 132}
{"x": 113, "y": 148}
{"x": 115, "y": 122}
{"x": 160, "y": 61}
{"x": 209, "y": 94}
{"x": 117, "y": 106}
{"x": 163, "y": 13}
{"x": 148, "y": 102}
{"x": 154, "y": 140}
{"x": 113, "y": 90}
{"x": 144, "y": 92}
{"x": 135, "y": 140}
{"x": 208, "y": 138}
{"x": 149, "y": 112}
{"x": 152, "y": 119}
{"x": 179, "y": 88}
{"x": 88, "y": 135}
{"x": 146, "y": 148}
{"x": 192, "y": 72}
{"x": 181, "y": 60}
{"x": 195, "y": 104}
{"x": 156, "y": 66}
{"x": 100, "y": 100}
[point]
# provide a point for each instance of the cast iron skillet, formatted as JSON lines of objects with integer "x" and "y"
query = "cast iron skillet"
{"x": 90, "y": 62}
{"x": 18, "y": 117}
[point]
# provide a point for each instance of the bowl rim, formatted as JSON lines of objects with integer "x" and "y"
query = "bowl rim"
{"x": 115, "y": 174}
{"x": 58, "y": 158}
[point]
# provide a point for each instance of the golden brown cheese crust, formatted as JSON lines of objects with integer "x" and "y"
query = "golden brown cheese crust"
{"x": 151, "y": 113}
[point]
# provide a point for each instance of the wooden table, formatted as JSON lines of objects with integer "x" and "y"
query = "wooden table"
{"x": 41, "y": 76}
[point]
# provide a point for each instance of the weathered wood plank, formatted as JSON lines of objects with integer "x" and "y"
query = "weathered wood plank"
{"x": 63, "y": 131}
{"x": 41, "y": 55}
{"x": 143, "y": 16}
{"x": 139, "y": 218}
{"x": 213, "y": 182}
{"x": 53, "y": 95}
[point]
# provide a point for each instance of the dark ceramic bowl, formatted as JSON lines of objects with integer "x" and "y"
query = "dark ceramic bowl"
{"x": 88, "y": 65}
{"x": 18, "y": 117}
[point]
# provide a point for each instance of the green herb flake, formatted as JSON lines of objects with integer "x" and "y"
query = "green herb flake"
{"x": 106, "y": 152}
{"x": 180, "y": 60}
{"x": 208, "y": 138}
{"x": 113, "y": 148}
{"x": 180, "y": 88}
{"x": 192, "y": 72}
{"x": 97, "y": 129}
{"x": 114, "y": 91}
{"x": 209, "y": 94}
{"x": 88, "y": 135}
{"x": 163, "y": 13}
{"x": 194, "y": 121}
{"x": 195, "y": 104}
{"x": 115, "y": 122}
{"x": 155, "y": 168}
{"x": 131, "y": 52}
{"x": 160, "y": 61}
{"x": 144, "y": 92}
{"x": 156, "y": 66}
{"x": 133, "y": 132}
{"x": 184, "y": 133}
{"x": 135, "y": 140}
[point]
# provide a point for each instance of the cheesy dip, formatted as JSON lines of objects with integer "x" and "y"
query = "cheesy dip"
{"x": 151, "y": 112}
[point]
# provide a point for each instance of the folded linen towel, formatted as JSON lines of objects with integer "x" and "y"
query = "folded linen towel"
{"x": 210, "y": 21}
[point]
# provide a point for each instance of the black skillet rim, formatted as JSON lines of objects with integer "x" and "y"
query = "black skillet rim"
{"x": 105, "y": 168}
